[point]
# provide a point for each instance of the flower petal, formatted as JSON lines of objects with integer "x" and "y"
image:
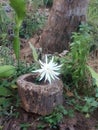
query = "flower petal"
{"x": 46, "y": 59}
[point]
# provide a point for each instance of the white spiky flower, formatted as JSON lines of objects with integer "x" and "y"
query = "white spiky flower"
{"x": 49, "y": 70}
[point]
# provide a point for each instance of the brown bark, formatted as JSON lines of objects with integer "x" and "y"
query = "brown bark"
{"x": 40, "y": 99}
{"x": 65, "y": 17}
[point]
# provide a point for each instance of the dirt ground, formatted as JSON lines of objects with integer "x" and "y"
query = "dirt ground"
{"x": 78, "y": 122}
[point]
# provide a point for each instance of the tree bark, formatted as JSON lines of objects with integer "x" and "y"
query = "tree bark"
{"x": 65, "y": 18}
{"x": 42, "y": 98}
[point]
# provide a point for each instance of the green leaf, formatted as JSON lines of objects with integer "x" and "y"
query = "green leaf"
{"x": 14, "y": 86}
{"x": 34, "y": 52}
{"x": 5, "y": 103}
{"x": 97, "y": 95}
{"x": 85, "y": 109}
{"x": 20, "y": 8}
{"x": 7, "y": 71}
{"x": 4, "y": 92}
{"x": 2, "y": 100}
{"x": 65, "y": 112}
{"x": 94, "y": 75}
{"x": 94, "y": 103}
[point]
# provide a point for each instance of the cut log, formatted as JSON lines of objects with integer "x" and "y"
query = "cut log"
{"x": 40, "y": 99}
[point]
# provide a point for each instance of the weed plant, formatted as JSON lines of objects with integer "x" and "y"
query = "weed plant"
{"x": 84, "y": 104}
{"x": 36, "y": 3}
{"x": 34, "y": 20}
{"x": 74, "y": 71}
{"x": 31, "y": 24}
{"x": 93, "y": 11}
{"x": 55, "y": 118}
{"x": 92, "y": 18}
{"x": 6, "y": 56}
{"x": 9, "y": 100}
{"x": 4, "y": 23}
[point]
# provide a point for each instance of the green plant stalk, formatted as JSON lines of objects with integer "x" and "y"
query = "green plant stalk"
{"x": 19, "y": 7}
{"x": 16, "y": 43}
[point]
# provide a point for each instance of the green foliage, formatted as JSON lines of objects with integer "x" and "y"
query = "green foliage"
{"x": 31, "y": 24}
{"x": 94, "y": 75}
{"x": 83, "y": 104}
{"x": 74, "y": 65}
{"x": 4, "y": 92}
{"x": 4, "y": 23}
{"x": 92, "y": 18}
{"x": 5, "y": 104}
{"x": 34, "y": 52}
{"x": 24, "y": 68}
{"x": 34, "y": 20}
{"x": 19, "y": 7}
{"x": 7, "y": 71}
{"x": 7, "y": 68}
{"x": 36, "y": 3}
{"x": 5, "y": 56}
{"x": 79, "y": 53}
{"x": 90, "y": 105}
{"x": 9, "y": 99}
{"x": 93, "y": 11}
{"x": 41, "y": 127}
{"x": 4, "y": 19}
{"x": 57, "y": 116}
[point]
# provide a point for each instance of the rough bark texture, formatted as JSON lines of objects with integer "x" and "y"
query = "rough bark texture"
{"x": 65, "y": 17}
{"x": 40, "y": 99}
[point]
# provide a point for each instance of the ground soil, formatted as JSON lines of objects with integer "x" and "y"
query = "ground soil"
{"x": 78, "y": 122}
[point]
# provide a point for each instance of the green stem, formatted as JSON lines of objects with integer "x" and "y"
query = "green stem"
{"x": 16, "y": 44}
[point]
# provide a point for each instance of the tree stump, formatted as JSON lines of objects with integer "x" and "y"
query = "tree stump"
{"x": 39, "y": 98}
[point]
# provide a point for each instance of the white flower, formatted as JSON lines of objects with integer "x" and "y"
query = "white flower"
{"x": 48, "y": 71}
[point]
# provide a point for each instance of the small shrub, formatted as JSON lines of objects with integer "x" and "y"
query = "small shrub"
{"x": 75, "y": 72}
{"x": 31, "y": 24}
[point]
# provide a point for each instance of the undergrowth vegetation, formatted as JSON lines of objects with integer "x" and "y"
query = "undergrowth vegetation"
{"x": 92, "y": 21}
{"x": 75, "y": 72}
{"x": 80, "y": 89}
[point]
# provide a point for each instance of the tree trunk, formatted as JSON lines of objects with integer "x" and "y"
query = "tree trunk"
{"x": 65, "y": 18}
